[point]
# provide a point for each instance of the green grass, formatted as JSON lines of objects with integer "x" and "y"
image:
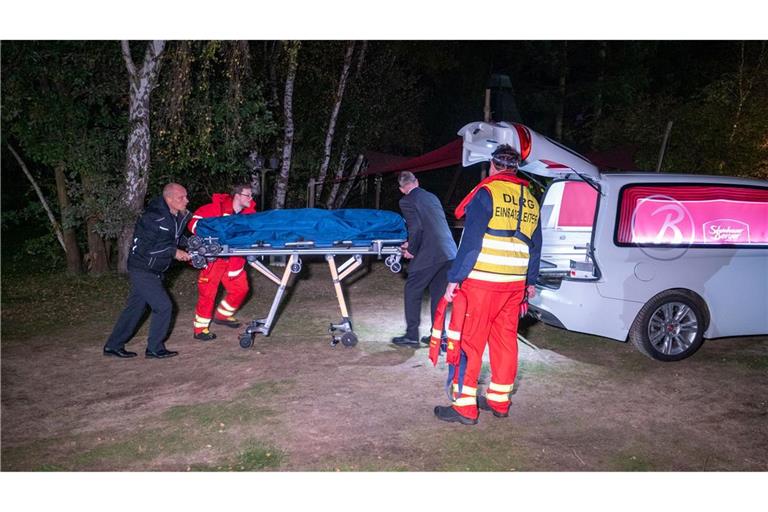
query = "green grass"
{"x": 216, "y": 414}
{"x": 255, "y": 456}
{"x": 630, "y": 462}
{"x": 478, "y": 451}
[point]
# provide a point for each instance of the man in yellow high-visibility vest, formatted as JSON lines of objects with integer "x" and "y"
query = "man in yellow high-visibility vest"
{"x": 496, "y": 267}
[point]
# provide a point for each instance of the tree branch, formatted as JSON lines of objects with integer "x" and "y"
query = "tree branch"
{"x": 51, "y": 217}
{"x": 128, "y": 60}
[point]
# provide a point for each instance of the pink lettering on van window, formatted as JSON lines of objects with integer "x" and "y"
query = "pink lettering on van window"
{"x": 694, "y": 215}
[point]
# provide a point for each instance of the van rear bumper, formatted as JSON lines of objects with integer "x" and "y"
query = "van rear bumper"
{"x": 545, "y": 316}
{"x": 578, "y": 306}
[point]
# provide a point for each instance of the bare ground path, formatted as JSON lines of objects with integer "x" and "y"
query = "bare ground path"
{"x": 294, "y": 403}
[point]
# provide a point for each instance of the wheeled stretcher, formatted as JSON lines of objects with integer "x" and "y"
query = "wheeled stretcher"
{"x": 271, "y": 241}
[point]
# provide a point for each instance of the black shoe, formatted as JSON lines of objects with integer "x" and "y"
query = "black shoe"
{"x": 230, "y": 322}
{"x": 161, "y": 354}
{"x": 206, "y": 335}
{"x": 425, "y": 340}
{"x": 405, "y": 341}
{"x": 118, "y": 352}
{"x": 482, "y": 404}
{"x": 450, "y": 414}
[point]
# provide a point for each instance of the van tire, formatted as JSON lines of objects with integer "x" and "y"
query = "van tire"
{"x": 666, "y": 306}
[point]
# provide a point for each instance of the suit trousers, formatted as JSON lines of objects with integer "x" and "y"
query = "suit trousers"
{"x": 436, "y": 279}
{"x": 146, "y": 289}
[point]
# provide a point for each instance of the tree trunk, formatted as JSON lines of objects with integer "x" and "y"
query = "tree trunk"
{"x": 141, "y": 82}
{"x": 339, "y": 174}
{"x": 96, "y": 259}
{"x": 602, "y": 54}
{"x": 281, "y": 186}
{"x": 74, "y": 263}
{"x": 54, "y": 223}
{"x": 342, "y": 199}
{"x": 561, "y": 88}
{"x": 334, "y": 115}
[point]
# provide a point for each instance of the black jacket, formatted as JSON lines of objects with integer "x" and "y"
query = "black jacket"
{"x": 429, "y": 237}
{"x": 156, "y": 237}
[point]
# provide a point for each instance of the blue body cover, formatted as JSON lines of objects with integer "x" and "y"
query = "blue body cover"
{"x": 324, "y": 227}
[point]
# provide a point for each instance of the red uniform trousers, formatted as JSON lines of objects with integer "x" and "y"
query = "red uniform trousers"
{"x": 492, "y": 317}
{"x": 236, "y": 287}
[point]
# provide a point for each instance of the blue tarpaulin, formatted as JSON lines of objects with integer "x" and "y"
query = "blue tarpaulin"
{"x": 323, "y": 227}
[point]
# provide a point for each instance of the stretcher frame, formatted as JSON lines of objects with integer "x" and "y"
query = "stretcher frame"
{"x": 206, "y": 249}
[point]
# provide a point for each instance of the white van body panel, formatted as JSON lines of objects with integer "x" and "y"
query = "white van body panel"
{"x": 733, "y": 282}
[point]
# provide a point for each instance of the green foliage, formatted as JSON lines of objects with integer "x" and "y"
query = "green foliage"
{"x": 209, "y": 116}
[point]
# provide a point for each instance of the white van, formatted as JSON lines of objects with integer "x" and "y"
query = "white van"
{"x": 662, "y": 260}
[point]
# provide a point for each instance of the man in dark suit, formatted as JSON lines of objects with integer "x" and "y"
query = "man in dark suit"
{"x": 430, "y": 249}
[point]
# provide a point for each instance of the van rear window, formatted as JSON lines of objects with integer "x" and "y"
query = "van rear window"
{"x": 692, "y": 215}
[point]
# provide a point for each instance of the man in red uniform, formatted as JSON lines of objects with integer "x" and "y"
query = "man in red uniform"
{"x": 227, "y": 271}
{"x": 495, "y": 268}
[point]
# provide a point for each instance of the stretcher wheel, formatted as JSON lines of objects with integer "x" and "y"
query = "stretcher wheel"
{"x": 198, "y": 261}
{"x": 213, "y": 248}
{"x": 194, "y": 243}
{"x": 349, "y": 339}
{"x": 396, "y": 267}
{"x": 246, "y": 340}
{"x": 391, "y": 259}
{"x": 296, "y": 268}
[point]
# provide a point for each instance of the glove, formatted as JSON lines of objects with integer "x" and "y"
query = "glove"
{"x": 524, "y": 305}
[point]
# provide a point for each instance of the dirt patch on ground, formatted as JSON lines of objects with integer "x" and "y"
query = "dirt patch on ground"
{"x": 293, "y": 402}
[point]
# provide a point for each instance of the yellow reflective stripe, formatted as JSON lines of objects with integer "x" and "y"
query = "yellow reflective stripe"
{"x": 201, "y": 324}
{"x": 234, "y": 273}
{"x": 502, "y": 260}
{"x": 501, "y": 388}
{"x": 199, "y": 318}
{"x": 224, "y": 304}
{"x": 496, "y": 278}
{"x": 495, "y": 397}
{"x": 465, "y": 390}
{"x": 465, "y": 401}
{"x": 454, "y": 335}
{"x": 224, "y": 312}
{"x": 503, "y": 244}
{"x": 436, "y": 333}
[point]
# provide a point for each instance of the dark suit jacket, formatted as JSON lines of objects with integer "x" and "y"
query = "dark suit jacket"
{"x": 429, "y": 237}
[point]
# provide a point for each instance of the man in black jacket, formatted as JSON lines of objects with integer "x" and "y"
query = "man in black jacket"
{"x": 156, "y": 240}
{"x": 431, "y": 249}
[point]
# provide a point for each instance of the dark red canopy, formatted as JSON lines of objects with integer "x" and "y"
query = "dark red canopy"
{"x": 450, "y": 154}
{"x": 444, "y": 156}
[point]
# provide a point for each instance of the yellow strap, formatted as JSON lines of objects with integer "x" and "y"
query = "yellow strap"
{"x": 496, "y": 397}
{"x": 465, "y": 390}
{"x": 501, "y": 388}
{"x": 465, "y": 401}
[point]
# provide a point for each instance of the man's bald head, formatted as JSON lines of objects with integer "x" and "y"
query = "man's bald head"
{"x": 175, "y": 197}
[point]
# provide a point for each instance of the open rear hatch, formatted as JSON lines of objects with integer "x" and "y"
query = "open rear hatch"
{"x": 568, "y": 207}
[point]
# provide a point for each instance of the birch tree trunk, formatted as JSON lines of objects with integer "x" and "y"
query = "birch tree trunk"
{"x": 602, "y": 54}
{"x": 54, "y": 223}
{"x": 281, "y": 186}
{"x": 334, "y": 115}
{"x": 74, "y": 261}
{"x": 339, "y": 173}
{"x": 561, "y": 88}
{"x": 141, "y": 83}
{"x": 342, "y": 199}
{"x": 332, "y": 196}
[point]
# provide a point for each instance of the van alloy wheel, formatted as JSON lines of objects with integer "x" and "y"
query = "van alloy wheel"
{"x": 670, "y": 326}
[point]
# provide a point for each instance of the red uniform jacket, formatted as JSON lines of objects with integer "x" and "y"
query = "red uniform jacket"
{"x": 220, "y": 206}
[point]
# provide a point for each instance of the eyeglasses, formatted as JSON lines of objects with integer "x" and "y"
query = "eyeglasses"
{"x": 245, "y": 195}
